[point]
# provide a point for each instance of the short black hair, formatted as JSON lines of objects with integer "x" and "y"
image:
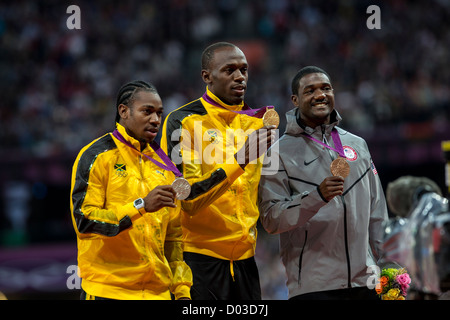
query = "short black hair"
{"x": 208, "y": 53}
{"x": 303, "y": 72}
{"x": 128, "y": 90}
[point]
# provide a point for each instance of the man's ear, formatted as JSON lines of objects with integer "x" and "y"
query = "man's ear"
{"x": 206, "y": 76}
{"x": 123, "y": 110}
{"x": 295, "y": 99}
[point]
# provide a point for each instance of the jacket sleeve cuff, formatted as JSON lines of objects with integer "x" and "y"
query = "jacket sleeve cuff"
{"x": 311, "y": 201}
{"x": 321, "y": 196}
{"x": 316, "y": 199}
{"x": 182, "y": 291}
{"x": 233, "y": 171}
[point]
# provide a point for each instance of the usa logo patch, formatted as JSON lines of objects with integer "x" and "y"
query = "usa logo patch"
{"x": 350, "y": 153}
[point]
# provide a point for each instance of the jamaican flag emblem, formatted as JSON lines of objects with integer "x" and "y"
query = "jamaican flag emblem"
{"x": 121, "y": 170}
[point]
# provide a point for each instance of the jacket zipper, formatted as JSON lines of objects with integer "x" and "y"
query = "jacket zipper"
{"x": 140, "y": 168}
{"x": 148, "y": 257}
{"x": 301, "y": 257}
{"x": 347, "y": 255}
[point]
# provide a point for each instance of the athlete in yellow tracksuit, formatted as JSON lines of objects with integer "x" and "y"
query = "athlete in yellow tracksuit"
{"x": 125, "y": 252}
{"x": 220, "y": 215}
{"x": 221, "y": 211}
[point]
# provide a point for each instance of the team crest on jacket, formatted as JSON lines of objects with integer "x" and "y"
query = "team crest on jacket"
{"x": 350, "y": 153}
{"x": 212, "y": 136}
{"x": 121, "y": 170}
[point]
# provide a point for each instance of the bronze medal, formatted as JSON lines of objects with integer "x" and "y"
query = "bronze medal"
{"x": 182, "y": 188}
{"x": 340, "y": 167}
{"x": 271, "y": 118}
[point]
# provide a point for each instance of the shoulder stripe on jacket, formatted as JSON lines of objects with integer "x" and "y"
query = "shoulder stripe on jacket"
{"x": 174, "y": 120}
{"x": 85, "y": 163}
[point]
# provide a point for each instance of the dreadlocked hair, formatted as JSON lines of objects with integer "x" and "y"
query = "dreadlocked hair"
{"x": 127, "y": 91}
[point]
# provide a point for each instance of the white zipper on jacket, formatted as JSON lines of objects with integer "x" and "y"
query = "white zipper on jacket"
{"x": 347, "y": 254}
{"x": 324, "y": 139}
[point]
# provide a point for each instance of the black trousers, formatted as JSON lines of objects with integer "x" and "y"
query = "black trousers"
{"x": 361, "y": 293}
{"x": 217, "y": 279}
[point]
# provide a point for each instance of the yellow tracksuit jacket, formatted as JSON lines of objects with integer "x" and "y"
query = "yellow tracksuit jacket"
{"x": 219, "y": 217}
{"x": 121, "y": 253}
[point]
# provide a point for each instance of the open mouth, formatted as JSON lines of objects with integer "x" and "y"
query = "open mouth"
{"x": 320, "y": 105}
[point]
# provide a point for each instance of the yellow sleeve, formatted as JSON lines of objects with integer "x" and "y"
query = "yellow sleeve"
{"x": 173, "y": 249}
{"x": 208, "y": 187}
{"x": 88, "y": 188}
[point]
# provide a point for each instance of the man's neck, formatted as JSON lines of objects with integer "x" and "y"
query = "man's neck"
{"x": 312, "y": 124}
{"x": 142, "y": 144}
{"x": 228, "y": 103}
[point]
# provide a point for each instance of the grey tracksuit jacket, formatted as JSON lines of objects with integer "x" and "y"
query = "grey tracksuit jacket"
{"x": 323, "y": 245}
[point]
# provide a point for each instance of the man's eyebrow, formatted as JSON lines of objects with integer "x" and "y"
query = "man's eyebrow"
{"x": 148, "y": 107}
{"x": 235, "y": 64}
{"x": 317, "y": 84}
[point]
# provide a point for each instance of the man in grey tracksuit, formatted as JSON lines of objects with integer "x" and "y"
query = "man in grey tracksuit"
{"x": 330, "y": 227}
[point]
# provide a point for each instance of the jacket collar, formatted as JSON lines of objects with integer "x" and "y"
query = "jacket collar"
{"x": 216, "y": 99}
{"x": 295, "y": 128}
{"x": 132, "y": 140}
{"x": 225, "y": 111}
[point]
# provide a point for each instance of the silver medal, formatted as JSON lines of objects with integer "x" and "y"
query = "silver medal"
{"x": 182, "y": 188}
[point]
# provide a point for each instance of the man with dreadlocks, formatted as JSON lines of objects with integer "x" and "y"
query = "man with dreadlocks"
{"x": 124, "y": 209}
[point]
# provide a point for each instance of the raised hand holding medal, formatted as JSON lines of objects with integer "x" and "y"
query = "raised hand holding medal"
{"x": 339, "y": 166}
{"x": 264, "y": 136}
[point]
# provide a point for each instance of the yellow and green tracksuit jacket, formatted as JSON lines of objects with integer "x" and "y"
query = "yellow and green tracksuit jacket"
{"x": 121, "y": 253}
{"x": 219, "y": 217}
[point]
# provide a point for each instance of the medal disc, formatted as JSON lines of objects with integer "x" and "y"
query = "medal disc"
{"x": 340, "y": 167}
{"x": 271, "y": 118}
{"x": 182, "y": 188}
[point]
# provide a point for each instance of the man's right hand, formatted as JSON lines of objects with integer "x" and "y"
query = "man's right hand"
{"x": 161, "y": 196}
{"x": 256, "y": 144}
{"x": 331, "y": 187}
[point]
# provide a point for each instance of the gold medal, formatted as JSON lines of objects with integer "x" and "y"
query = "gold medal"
{"x": 340, "y": 167}
{"x": 271, "y": 118}
{"x": 182, "y": 188}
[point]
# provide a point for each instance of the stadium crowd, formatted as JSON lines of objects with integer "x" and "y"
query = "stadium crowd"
{"x": 61, "y": 83}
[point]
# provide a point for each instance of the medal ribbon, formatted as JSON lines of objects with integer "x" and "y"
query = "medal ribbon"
{"x": 336, "y": 140}
{"x": 168, "y": 164}
{"x": 257, "y": 113}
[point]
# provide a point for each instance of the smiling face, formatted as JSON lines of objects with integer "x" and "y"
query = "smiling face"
{"x": 226, "y": 75}
{"x": 142, "y": 117}
{"x": 315, "y": 99}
